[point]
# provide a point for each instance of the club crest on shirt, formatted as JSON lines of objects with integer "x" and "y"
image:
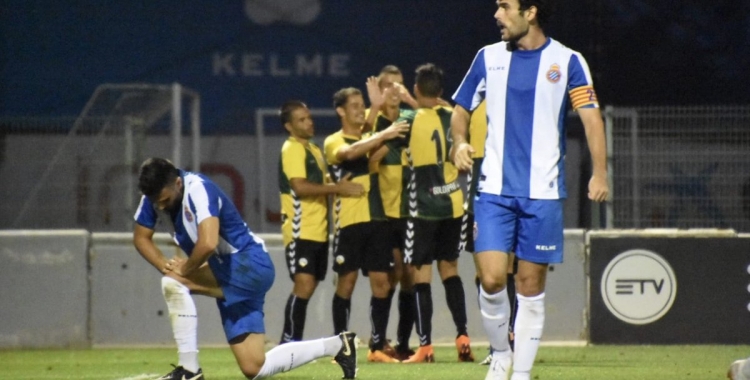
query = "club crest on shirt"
{"x": 188, "y": 215}
{"x": 554, "y": 74}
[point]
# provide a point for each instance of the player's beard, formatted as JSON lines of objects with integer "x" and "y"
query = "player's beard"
{"x": 174, "y": 207}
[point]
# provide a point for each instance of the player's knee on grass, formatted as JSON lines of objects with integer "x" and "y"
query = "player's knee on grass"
{"x": 248, "y": 351}
{"x": 251, "y": 367}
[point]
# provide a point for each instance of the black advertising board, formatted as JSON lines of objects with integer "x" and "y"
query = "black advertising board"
{"x": 661, "y": 290}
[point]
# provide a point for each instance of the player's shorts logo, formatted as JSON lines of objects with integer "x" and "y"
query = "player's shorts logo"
{"x": 303, "y": 262}
{"x": 638, "y": 286}
{"x": 554, "y": 74}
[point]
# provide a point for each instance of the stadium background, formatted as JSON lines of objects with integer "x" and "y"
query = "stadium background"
{"x": 244, "y": 56}
{"x": 640, "y": 52}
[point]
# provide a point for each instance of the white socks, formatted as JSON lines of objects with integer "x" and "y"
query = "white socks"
{"x": 184, "y": 319}
{"x": 291, "y": 355}
{"x": 495, "y": 309}
{"x": 745, "y": 369}
{"x": 528, "y": 330}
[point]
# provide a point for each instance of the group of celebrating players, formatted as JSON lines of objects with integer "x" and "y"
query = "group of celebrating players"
{"x": 397, "y": 208}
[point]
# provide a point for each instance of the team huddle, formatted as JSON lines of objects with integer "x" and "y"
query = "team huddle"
{"x": 397, "y": 207}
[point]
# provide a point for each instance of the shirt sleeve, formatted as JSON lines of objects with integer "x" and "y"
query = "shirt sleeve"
{"x": 204, "y": 197}
{"x": 293, "y": 161}
{"x": 580, "y": 84}
{"x": 471, "y": 91}
{"x": 146, "y": 215}
{"x": 332, "y": 146}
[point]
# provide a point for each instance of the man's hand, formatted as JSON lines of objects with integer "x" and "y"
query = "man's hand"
{"x": 377, "y": 98}
{"x": 397, "y": 129}
{"x": 175, "y": 265}
{"x": 598, "y": 188}
{"x": 405, "y": 96}
{"x": 345, "y": 187}
{"x": 461, "y": 156}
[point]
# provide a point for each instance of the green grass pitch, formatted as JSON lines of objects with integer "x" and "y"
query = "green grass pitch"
{"x": 559, "y": 363}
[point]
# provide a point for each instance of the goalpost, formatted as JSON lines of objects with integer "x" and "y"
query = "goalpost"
{"x": 109, "y": 138}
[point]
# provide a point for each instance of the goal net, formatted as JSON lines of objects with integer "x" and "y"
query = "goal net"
{"x": 81, "y": 172}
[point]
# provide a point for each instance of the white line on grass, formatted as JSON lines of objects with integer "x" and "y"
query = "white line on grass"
{"x": 143, "y": 376}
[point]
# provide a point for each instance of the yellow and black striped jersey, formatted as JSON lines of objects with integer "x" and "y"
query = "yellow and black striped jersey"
{"x": 477, "y": 135}
{"x": 353, "y": 210}
{"x": 391, "y": 172}
{"x": 302, "y": 217}
{"x": 433, "y": 190}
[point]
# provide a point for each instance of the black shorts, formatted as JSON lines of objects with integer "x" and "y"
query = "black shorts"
{"x": 307, "y": 256}
{"x": 397, "y": 232}
{"x": 467, "y": 232}
{"x": 363, "y": 246}
{"x": 432, "y": 240}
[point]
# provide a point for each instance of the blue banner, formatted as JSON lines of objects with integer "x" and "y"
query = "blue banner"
{"x": 246, "y": 54}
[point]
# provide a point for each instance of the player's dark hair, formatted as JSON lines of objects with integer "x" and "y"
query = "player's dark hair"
{"x": 286, "y": 110}
{"x": 155, "y": 174}
{"x": 429, "y": 80}
{"x": 543, "y": 10}
{"x": 342, "y": 95}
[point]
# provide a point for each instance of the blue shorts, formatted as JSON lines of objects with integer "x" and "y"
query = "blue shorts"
{"x": 245, "y": 278}
{"x": 532, "y": 228}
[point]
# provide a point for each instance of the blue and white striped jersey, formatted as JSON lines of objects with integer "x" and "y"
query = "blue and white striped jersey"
{"x": 528, "y": 94}
{"x": 202, "y": 199}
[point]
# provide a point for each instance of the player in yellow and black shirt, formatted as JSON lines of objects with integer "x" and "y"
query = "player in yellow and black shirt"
{"x": 434, "y": 202}
{"x": 304, "y": 209}
{"x": 386, "y": 93}
{"x": 359, "y": 222}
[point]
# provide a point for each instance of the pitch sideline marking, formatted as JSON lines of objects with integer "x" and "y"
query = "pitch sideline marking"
{"x": 143, "y": 376}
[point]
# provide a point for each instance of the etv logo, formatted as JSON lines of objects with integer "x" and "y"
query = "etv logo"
{"x": 638, "y": 286}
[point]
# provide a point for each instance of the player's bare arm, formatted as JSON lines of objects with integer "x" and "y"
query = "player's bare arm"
{"x": 594, "y": 127}
{"x": 345, "y": 187}
{"x": 377, "y": 99}
{"x": 144, "y": 244}
{"x": 364, "y": 146}
{"x": 405, "y": 96}
{"x": 461, "y": 152}
{"x": 208, "y": 240}
{"x": 377, "y": 155}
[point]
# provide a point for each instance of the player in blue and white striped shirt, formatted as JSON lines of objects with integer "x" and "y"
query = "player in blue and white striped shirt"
{"x": 225, "y": 261}
{"x": 529, "y": 82}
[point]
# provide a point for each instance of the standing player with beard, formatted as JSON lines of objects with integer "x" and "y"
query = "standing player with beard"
{"x": 304, "y": 209}
{"x": 360, "y": 223}
{"x": 225, "y": 261}
{"x": 527, "y": 81}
